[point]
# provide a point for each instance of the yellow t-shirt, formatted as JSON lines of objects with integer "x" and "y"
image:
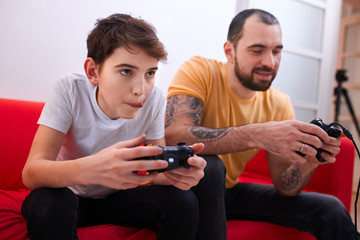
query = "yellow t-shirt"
{"x": 207, "y": 80}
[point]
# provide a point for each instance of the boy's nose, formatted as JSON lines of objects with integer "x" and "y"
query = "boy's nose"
{"x": 139, "y": 88}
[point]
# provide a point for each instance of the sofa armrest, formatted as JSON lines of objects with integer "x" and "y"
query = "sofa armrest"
{"x": 18, "y": 124}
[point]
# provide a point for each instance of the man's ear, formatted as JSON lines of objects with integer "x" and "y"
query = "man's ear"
{"x": 229, "y": 51}
{"x": 91, "y": 70}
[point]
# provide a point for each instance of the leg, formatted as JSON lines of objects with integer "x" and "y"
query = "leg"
{"x": 322, "y": 215}
{"x": 210, "y": 193}
{"x": 172, "y": 212}
{"x": 51, "y": 214}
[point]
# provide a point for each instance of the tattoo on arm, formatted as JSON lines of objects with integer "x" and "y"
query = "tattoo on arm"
{"x": 183, "y": 106}
{"x": 209, "y": 134}
{"x": 291, "y": 177}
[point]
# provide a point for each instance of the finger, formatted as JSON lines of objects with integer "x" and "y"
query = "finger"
{"x": 307, "y": 149}
{"x": 179, "y": 180}
{"x": 329, "y": 158}
{"x": 131, "y": 142}
{"x": 197, "y": 147}
{"x": 148, "y": 165}
{"x": 197, "y": 162}
{"x": 313, "y": 129}
{"x": 140, "y": 151}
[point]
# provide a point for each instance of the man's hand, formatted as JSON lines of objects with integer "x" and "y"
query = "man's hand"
{"x": 284, "y": 138}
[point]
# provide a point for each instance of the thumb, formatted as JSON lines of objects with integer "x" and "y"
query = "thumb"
{"x": 197, "y": 147}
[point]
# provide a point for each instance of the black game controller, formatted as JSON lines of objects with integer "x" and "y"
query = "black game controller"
{"x": 330, "y": 130}
{"x": 176, "y": 156}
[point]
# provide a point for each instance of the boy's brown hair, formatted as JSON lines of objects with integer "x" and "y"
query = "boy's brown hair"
{"x": 122, "y": 30}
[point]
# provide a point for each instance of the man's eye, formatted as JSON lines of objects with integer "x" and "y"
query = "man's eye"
{"x": 125, "y": 72}
{"x": 150, "y": 74}
{"x": 256, "y": 51}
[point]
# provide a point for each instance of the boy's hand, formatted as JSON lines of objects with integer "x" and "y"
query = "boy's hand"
{"x": 187, "y": 178}
{"x": 114, "y": 167}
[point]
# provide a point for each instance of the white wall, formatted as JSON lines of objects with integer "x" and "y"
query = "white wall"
{"x": 42, "y": 39}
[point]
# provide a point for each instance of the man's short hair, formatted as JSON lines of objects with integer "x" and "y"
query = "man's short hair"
{"x": 237, "y": 24}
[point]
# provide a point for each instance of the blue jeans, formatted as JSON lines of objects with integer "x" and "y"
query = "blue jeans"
{"x": 173, "y": 213}
{"x": 322, "y": 215}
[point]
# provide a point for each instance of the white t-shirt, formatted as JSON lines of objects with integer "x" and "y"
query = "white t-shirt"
{"x": 72, "y": 109}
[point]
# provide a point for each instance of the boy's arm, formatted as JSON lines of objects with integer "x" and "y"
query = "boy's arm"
{"x": 112, "y": 167}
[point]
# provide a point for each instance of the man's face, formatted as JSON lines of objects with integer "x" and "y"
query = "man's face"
{"x": 258, "y": 54}
{"x": 125, "y": 82}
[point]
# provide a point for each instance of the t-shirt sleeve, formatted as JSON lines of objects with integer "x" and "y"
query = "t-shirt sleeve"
{"x": 191, "y": 79}
{"x": 57, "y": 112}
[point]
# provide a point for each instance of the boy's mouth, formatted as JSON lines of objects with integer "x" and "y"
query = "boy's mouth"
{"x": 136, "y": 105}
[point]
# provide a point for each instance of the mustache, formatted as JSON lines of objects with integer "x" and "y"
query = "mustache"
{"x": 265, "y": 69}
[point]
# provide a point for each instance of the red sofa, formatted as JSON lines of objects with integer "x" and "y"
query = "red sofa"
{"x": 18, "y": 126}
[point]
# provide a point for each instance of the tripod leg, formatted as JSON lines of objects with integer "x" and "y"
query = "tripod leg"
{"x": 337, "y": 102}
{"x": 344, "y": 91}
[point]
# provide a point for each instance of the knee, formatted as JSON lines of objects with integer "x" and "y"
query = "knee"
{"x": 181, "y": 204}
{"x": 329, "y": 207}
{"x": 46, "y": 203}
{"x": 333, "y": 207}
{"x": 215, "y": 168}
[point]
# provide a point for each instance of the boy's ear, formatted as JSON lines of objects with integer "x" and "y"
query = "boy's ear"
{"x": 91, "y": 70}
{"x": 229, "y": 51}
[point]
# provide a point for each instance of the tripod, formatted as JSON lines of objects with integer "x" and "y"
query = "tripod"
{"x": 339, "y": 90}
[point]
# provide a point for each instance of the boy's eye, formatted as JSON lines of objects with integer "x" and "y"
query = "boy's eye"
{"x": 125, "y": 72}
{"x": 150, "y": 74}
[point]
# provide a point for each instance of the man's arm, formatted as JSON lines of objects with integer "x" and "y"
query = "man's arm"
{"x": 290, "y": 177}
{"x": 283, "y": 138}
{"x": 183, "y": 117}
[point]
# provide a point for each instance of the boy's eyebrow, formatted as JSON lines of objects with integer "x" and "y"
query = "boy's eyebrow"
{"x": 132, "y": 66}
{"x": 126, "y": 65}
{"x": 263, "y": 46}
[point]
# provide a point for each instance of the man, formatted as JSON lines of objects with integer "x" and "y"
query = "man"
{"x": 232, "y": 108}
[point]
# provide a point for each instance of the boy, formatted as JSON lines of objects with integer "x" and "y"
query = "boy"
{"x": 80, "y": 167}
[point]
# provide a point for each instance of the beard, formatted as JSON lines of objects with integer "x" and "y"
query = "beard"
{"x": 247, "y": 80}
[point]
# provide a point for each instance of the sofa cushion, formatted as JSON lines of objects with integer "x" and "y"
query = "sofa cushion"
{"x": 242, "y": 229}
{"x": 13, "y": 225}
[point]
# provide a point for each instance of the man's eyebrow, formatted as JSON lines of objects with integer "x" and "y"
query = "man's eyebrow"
{"x": 263, "y": 46}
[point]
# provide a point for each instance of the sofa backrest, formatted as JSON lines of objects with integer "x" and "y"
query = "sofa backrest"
{"x": 335, "y": 179}
{"x": 18, "y": 124}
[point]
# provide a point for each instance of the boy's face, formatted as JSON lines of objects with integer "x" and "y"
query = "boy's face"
{"x": 125, "y": 82}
